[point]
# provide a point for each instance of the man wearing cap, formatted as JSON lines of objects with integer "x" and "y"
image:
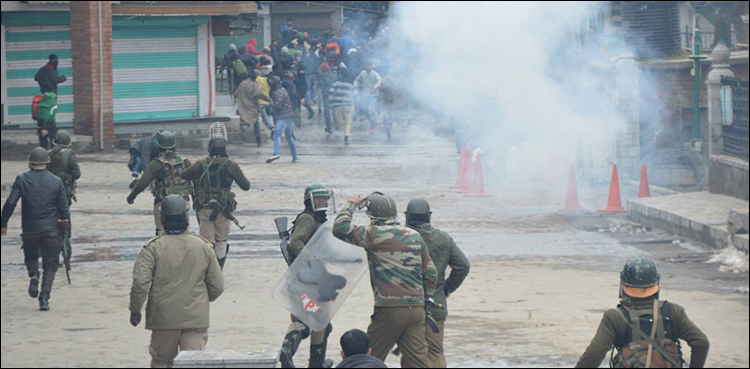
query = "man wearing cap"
{"x": 44, "y": 204}
{"x": 644, "y": 330}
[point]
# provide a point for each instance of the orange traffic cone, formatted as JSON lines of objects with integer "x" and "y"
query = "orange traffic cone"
{"x": 478, "y": 189}
{"x": 614, "y": 204}
{"x": 466, "y": 175}
{"x": 644, "y": 191}
{"x": 571, "y": 201}
{"x": 461, "y": 165}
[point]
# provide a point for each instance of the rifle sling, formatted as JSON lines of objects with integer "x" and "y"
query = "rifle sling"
{"x": 648, "y": 339}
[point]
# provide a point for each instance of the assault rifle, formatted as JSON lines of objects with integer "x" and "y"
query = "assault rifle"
{"x": 63, "y": 228}
{"x": 219, "y": 209}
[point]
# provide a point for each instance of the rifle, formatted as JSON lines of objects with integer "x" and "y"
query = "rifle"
{"x": 67, "y": 251}
{"x": 218, "y": 209}
{"x": 281, "y": 224}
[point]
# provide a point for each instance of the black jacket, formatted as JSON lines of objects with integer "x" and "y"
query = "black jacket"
{"x": 146, "y": 149}
{"x": 48, "y": 78}
{"x": 362, "y": 361}
{"x": 44, "y": 201}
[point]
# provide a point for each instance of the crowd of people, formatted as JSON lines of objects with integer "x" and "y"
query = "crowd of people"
{"x": 333, "y": 77}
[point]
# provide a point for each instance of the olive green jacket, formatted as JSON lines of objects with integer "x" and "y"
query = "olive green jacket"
{"x": 613, "y": 326}
{"x": 233, "y": 171}
{"x": 304, "y": 227}
{"x": 180, "y": 275}
{"x": 444, "y": 253}
{"x": 151, "y": 174}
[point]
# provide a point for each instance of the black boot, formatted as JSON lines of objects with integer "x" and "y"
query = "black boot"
{"x": 289, "y": 348}
{"x": 318, "y": 352}
{"x": 34, "y": 286}
{"x": 43, "y": 304}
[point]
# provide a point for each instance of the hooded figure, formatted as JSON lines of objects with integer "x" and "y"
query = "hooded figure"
{"x": 251, "y": 47}
{"x": 47, "y": 76}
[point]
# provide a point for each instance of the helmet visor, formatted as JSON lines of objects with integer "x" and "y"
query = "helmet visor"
{"x": 319, "y": 199}
{"x": 640, "y": 292}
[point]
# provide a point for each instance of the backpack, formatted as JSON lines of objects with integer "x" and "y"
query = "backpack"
{"x": 44, "y": 107}
{"x": 59, "y": 160}
{"x": 632, "y": 352}
{"x": 215, "y": 184}
{"x": 170, "y": 180}
{"x": 240, "y": 70}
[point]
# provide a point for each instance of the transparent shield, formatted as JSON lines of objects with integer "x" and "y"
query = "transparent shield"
{"x": 321, "y": 278}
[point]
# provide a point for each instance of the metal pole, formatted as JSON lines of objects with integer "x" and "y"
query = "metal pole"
{"x": 101, "y": 81}
{"x": 697, "y": 81}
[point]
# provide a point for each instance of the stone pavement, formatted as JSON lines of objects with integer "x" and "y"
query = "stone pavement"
{"x": 701, "y": 216}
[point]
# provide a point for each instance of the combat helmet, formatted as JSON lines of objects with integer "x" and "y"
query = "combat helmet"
{"x": 417, "y": 212}
{"x": 381, "y": 207}
{"x": 166, "y": 140}
{"x": 62, "y": 139}
{"x": 639, "y": 278}
{"x": 38, "y": 156}
{"x": 318, "y": 196}
{"x": 174, "y": 214}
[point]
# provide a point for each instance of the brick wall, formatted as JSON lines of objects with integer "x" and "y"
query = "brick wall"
{"x": 85, "y": 50}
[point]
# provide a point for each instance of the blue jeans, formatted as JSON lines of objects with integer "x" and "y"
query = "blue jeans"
{"x": 264, "y": 116}
{"x": 283, "y": 126}
{"x": 137, "y": 165}
{"x": 310, "y": 80}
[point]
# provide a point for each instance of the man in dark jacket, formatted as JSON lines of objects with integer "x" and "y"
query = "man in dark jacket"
{"x": 47, "y": 76}
{"x": 444, "y": 253}
{"x": 356, "y": 352}
{"x": 282, "y": 116}
{"x": 287, "y": 81}
{"x": 44, "y": 204}
{"x": 141, "y": 154}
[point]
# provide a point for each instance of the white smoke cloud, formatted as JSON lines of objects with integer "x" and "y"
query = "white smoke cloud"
{"x": 513, "y": 74}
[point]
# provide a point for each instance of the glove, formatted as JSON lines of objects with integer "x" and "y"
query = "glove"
{"x": 135, "y": 319}
{"x": 131, "y": 199}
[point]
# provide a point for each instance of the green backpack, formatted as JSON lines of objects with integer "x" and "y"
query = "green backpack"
{"x": 240, "y": 70}
{"x": 170, "y": 181}
{"x": 632, "y": 352}
{"x": 46, "y": 108}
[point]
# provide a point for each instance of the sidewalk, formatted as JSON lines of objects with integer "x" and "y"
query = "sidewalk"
{"x": 701, "y": 216}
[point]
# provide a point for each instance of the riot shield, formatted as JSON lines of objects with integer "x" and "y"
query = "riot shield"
{"x": 321, "y": 278}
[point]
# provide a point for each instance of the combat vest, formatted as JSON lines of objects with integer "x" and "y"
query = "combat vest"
{"x": 58, "y": 165}
{"x": 215, "y": 184}
{"x": 632, "y": 348}
{"x": 294, "y": 223}
{"x": 169, "y": 180}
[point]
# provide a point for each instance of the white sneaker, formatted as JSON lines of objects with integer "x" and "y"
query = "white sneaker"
{"x": 272, "y": 159}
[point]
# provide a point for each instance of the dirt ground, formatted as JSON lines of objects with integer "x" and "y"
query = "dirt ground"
{"x": 538, "y": 286}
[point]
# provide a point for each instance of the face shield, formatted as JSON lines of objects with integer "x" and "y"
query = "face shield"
{"x": 319, "y": 199}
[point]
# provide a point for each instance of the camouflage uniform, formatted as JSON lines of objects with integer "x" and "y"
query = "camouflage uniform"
{"x": 164, "y": 172}
{"x": 213, "y": 178}
{"x": 402, "y": 276}
{"x": 444, "y": 253}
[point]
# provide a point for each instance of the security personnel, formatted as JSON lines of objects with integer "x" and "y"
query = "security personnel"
{"x": 63, "y": 163}
{"x": 630, "y": 326}
{"x": 307, "y": 222}
{"x": 213, "y": 178}
{"x": 44, "y": 203}
{"x": 179, "y": 274}
{"x": 164, "y": 172}
{"x": 444, "y": 253}
{"x": 393, "y": 250}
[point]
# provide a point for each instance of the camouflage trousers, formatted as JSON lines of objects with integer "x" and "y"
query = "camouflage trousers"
{"x": 166, "y": 344}
{"x": 435, "y": 351}
{"x": 402, "y": 326}
{"x": 216, "y": 232}
{"x": 316, "y": 338}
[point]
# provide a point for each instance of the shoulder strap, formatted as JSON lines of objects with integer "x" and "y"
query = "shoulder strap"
{"x": 647, "y": 338}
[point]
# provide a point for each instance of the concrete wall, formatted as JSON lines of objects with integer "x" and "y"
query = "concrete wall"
{"x": 729, "y": 176}
{"x": 674, "y": 177}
